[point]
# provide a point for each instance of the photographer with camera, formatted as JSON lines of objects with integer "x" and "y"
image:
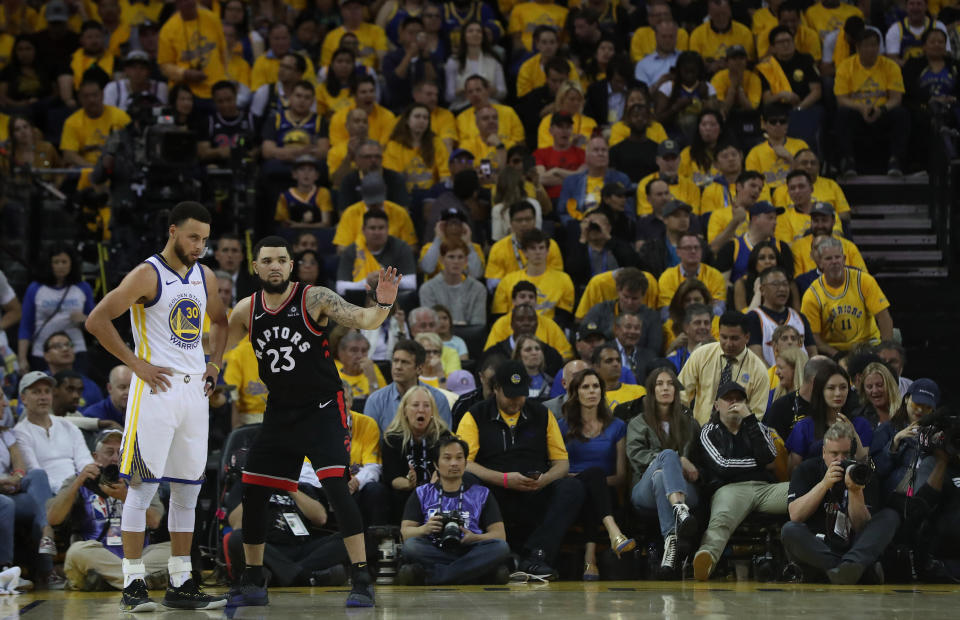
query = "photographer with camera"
{"x": 90, "y": 504}
{"x": 837, "y": 529}
{"x": 452, "y": 529}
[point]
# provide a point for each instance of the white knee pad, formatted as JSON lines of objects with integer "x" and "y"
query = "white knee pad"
{"x": 134, "y": 517}
{"x": 183, "y": 505}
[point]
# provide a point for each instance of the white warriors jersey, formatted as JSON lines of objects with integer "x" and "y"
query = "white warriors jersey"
{"x": 167, "y": 329}
{"x": 768, "y": 325}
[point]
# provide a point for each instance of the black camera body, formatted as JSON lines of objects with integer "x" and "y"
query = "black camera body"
{"x": 450, "y": 535}
{"x": 939, "y": 431}
{"x": 860, "y": 472}
{"x": 108, "y": 475}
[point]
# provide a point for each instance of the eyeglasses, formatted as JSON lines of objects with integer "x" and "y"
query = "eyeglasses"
{"x": 778, "y": 284}
{"x": 777, "y": 121}
{"x": 60, "y": 345}
{"x": 432, "y": 351}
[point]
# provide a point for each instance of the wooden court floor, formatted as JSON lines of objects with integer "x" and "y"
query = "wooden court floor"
{"x": 611, "y": 600}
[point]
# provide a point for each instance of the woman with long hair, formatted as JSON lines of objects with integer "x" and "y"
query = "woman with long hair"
{"x": 474, "y": 57}
{"x": 408, "y": 442}
{"x": 511, "y": 188}
{"x": 26, "y": 149}
{"x": 831, "y": 387}
{"x": 595, "y": 67}
{"x": 658, "y": 442}
{"x": 596, "y": 445}
{"x": 308, "y": 268}
{"x": 763, "y": 256}
{"x": 416, "y": 151}
{"x": 527, "y": 350}
{"x": 182, "y": 102}
{"x": 689, "y": 292}
{"x": 881, "y": 394}
{"x": 678, "y": 103}
{"x": 569, "y": 100}
{"x": 894, "y": 449}
{"x": 58, "y": 301}
{"x": 336, "y": 83}
{"x": 697, "y": 160}
{"x": 445, "y": 331}
{"x": 24, "y": 82}
{"x": 234, "y": 13}
{"x": 789, "y": 372}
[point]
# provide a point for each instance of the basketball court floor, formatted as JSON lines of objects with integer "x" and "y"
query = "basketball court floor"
{"x": 611, "y": 600}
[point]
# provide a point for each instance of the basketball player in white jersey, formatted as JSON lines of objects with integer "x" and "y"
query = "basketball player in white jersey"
{"x": 165, "y": 437}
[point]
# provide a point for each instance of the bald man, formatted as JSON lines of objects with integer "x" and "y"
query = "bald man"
{"x": 114, "y": 406}
{"x": 555, "y": 405}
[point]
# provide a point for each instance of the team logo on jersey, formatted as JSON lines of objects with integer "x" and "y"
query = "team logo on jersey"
{"x": 185, "y": 322}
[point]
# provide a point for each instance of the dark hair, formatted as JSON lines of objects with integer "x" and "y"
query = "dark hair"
{"x": 676, "y": 304}
{"x": 62, "y": 376}
{"x": 799, "y": 173}
{"x": 446, "y": 440}
{"x": 10, "y": 132}
{"x": 410, "y": 19}
{"x": 56, "y": 249}
{"x": 375, "y": 215}
{"x": 694, "y": 60}
{"x": 91, "y": 24}
{"x": 485, "y": 45}
{"x": 598, "y": 352}
{"x": 305, "y": 85}
{"x": 775, "y": 110}
{"x": 296, "y": 267}
{"x": 782, "y": 264}
{"x": 571, "y": 408}
{"x": 672, "y": 439}
{"x": 332, "y": 82}
{"x": 926, "y": 35}
{"x": 647, "y": 188}
{"x": 273, "y": 241}
{"x": 300, "y": 60}
{"x": 703, "y": 154}
{"x": 412, "y": 347}
{"x": 891, "y": 345}
{"x": 790, "y": 5}
{"x": 749, "y": 175}
{"x": 465, "y": 183}
{"x": 483, "y": 80}
{"x": 778, "y": 30}
{"x": 532, "y": 237}
{"x": 869, "y": 33}
{"x": 732, "y": 318}
{"x": 14, "y": 60}
{"x": 818, "y": 405}
{"x": 188, "y": 210}
{"x": 695, "y": 310}
{"x": 540, "y": 30}
{"x": 224, "y": 84}
{"x": 402, "y": 134}
{"x": 522, "y": 285}
{"x": 362, "y": 79}
{"x": 61, "y": 333}
{"x": 519, "y": 207}
{"x": 631, "y": 279}
{"x": 559, "y": 64}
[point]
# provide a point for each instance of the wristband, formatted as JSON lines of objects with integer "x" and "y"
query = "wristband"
{"x": 384, "y": 306}
{"x": 505, "y": 480}
{"x": 214, "y": 365}
{"x": 19, "y": 472}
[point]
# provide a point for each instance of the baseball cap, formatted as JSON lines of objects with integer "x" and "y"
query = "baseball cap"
{"x": 736, "y": 50}
{"x": 461, "y": 382}
{"x": 924, "y": 392}
{"x": 106, "y": 433}
{"x": 56, "y": 11}
{"x": 137, "y": 56}
{"x": 668, "y": 147}
{"x": 372, "y": 189}
{"x": 561, "y": 118}
{"x": 730, "y": 386}
{"x": 589, "y": 329}
{"x": 458, "y": 153}
{"x": 762, "y": 206}
{"x": 513, "y": 379}
{"x": 148, "y": 24}
{"x": 614, "y": 189}
{"x": 673, "y": 206}
{"x": 453, "y": 214}
{"x": 822, "y": 208}
{"x": 33, "y": 377}
{"x": 307, "y": 160}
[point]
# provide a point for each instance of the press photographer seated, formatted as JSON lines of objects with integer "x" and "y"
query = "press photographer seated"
{"x": 452, "y": 529}
{"x": 89, "y": 505}
{"x": 836, "y": 525}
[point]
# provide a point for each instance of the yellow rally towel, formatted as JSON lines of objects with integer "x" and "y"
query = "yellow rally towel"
{"x": 772, "y": 70}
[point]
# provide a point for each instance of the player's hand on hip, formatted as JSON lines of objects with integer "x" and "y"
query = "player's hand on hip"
{"x": 388, "y": 285}
{"x": 154, "y": 376}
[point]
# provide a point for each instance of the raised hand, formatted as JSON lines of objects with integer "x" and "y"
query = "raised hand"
{"x": 388, "y": 285}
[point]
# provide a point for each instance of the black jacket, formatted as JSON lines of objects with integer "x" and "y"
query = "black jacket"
{"x": 522, "y": 448}
{"x": 724, "y": 458}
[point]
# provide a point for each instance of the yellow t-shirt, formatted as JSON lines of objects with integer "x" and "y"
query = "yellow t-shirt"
{"x": 426, "y": 248}
{"x": 444, "y": 124}
{"x": 510, "y": 129}
{"x": 80, "y": 62}
{"x": 372, "y": 38}
{"x": 24, "y": 20}
{"x": 135, "y": 13}
{"x": 4, "y": 127}
{"x": 532, "y": 76}
{"x": 721, "y": 210}
{"x": 603, "y": 287}
{"x": 547, "y": 331}
{"x": 806, "y": 40}
{"x": 690, "y": 169}
{"x": 712, "y": 45}
{"x": 802, "y": 262}
{"x": 793, "y": 225}
{"x": 240, "y": 370}
{"x": 238, "y": 70}
{"x": 624, "y": 394}
{"x": 527, "y": 16}
{"x": 335, "y": 157}
{"x": 349, "y": 230}
{"x": 328, "y": 104}
{"x": 467, "y": 430}
{"x": 318, "y": 197}
{"x": 824, "y": 190}
{"x": 506, "y": 258}
{"x": 6, "y": 48}
{"x": 763, "y": 20}
{"x": 868, "y": 86}
{"x": 621, "y": 131}
{"x": 644, "y": 42}
{"x": 554, "y": 290}
{"x": 380, "y": 124}
{"x": 409, "y": 163}
{"x": 267, "y": 69}
{"x": 582, "y": 126}
{"x": 684, "y": 189}
{"x": 194, "y": 44}
{"x": 87, "y": 135}
{"x": 364, "y": 440}
{"x": 751, "y": 84}
{"x": 825, "y": 20}
{"x": 360, "y": 383}
{"x": 844, "y": 317}
{"x": 671, "y": 279}
{"x": 763, "y": 159}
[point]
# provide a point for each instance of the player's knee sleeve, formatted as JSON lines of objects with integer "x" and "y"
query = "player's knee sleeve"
{"x": 134, "y": 516}
{"x": 348, "y": 512}
{"x": 255, "y": 500}
{"x": 183, "y": 506}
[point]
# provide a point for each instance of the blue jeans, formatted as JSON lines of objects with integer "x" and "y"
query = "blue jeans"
{"x": 26, "y": 506}
{"x": 464, "y": 565}
{"x": 663, "y": 477}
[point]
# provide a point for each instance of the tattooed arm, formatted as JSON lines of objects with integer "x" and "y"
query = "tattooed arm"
{"x": 324, "y": 302}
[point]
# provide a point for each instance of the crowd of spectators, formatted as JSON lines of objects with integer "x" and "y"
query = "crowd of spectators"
{"x": 628, "y": 288}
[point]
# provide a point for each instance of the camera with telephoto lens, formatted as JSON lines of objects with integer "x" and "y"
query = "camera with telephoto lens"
{"x": 108, "y": 475}
{"x": 860, "y": 472}
{"x": 449, "y": 536}
{"x": 939, "y": 431}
